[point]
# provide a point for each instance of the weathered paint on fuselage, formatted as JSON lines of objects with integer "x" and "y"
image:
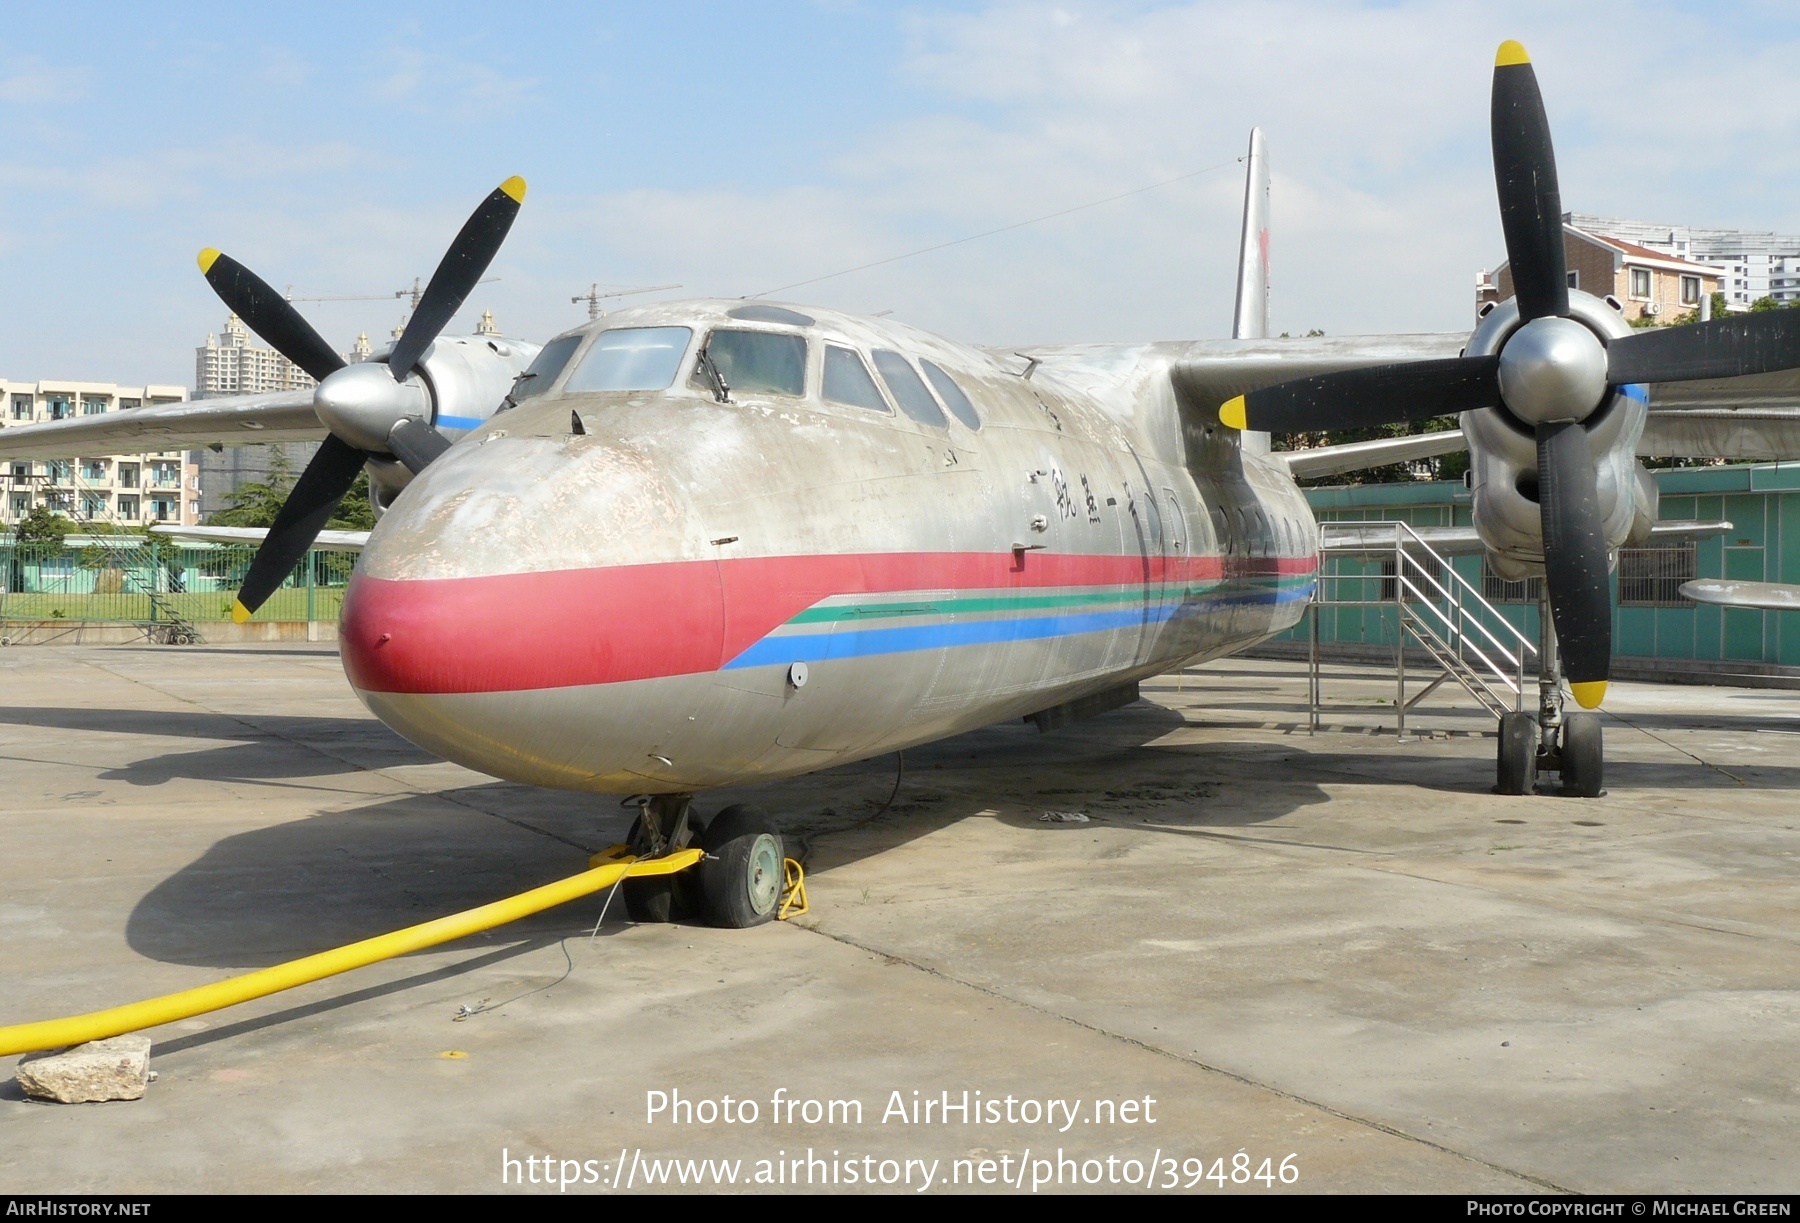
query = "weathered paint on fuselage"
{"x": 621, "y": 610}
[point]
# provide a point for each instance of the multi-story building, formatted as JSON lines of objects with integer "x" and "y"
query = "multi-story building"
{"x": 1647, "y": 283}
{"x": 129, "y": 490}
{"x": 232, "y": 365}
{"x": 1754, "y": 264}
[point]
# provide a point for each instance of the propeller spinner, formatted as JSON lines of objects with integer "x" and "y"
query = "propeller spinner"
{"x": 1551, "y": 374}
{"x": 370, "y": 410}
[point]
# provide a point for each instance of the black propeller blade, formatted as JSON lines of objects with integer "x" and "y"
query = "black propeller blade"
{"x": 416, "y": 443}
{"x": 269, "y": 315}
{"x": 308, "y": 508}
{"x": 1374, "y": 395}
{"x": 1575, "y": 564}
{"x": 1718, "y": 348}
{"x": 1525, "y": 176}
{"x": 457, "y": 273}
{"x": 333, "y": 470}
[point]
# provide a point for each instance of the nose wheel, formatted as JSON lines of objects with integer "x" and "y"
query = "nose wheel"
{"x": 738, "y": 884}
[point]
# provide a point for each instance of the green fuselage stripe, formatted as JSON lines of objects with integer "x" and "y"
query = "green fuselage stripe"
{"x": 988, "y": 604}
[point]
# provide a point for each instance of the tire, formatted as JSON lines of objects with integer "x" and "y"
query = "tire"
{"x": 1583, "y": 756}
{"x": 1517, "y": 771}
{"x": 656, "y": 898}
{"x": 741, "y": 876}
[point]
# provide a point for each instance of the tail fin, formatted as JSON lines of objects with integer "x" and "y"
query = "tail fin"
{"x": 1250, "y": 321}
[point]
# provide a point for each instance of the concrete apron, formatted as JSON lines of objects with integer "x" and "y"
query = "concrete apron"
{"x": 1333, "y": 946}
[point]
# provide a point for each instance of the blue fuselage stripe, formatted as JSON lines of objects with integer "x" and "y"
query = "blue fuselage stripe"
{"x": 858, "y": 643}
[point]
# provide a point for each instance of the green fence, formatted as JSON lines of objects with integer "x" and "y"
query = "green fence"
{"x": 148, "y": 582}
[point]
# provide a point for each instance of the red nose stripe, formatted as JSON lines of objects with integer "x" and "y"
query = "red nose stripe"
{"x": 518, "y": 631}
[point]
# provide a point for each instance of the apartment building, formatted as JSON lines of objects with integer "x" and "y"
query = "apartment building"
{"x": 1754, "y": 263}
{"x": 1648, "y": 283}
{"x": 131, "y": 490}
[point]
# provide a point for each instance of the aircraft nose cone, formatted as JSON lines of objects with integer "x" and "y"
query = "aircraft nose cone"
{"x": 362, "y": 403}
{"x": 518, "y": 580}
{"x": 1552, "y": 369}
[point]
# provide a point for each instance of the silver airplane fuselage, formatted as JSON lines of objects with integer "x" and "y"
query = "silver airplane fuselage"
{"x": 661, "y": 591}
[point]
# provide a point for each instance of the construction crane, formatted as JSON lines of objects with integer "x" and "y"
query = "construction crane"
{"x": 593, "y": 297}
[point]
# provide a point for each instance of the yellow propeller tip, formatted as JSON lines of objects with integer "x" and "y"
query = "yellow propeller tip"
{"x": 239, "y": 613}
{"x": 1511, "y": 52}
{"x": 515, "y": 187}
{"x": 207, "y": 258}
{"x": 1232, "y": 413}
{"x": 1590, "y": 694}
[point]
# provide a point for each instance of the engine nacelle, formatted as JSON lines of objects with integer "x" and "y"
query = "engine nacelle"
{"x": 1503, "y": 459}
{"x": 465, "y": 378}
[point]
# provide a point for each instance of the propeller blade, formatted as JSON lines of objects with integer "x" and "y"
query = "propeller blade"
{"x": 268, "y": 314}
{"x": 1373, "y": 395}
{"x": 457, "y": 273}
{"x": 1525, "y": 175}
{"x": 309, "y": 506}
{"x": 1718, "y": 348}
{"x": 416, "y": 443}
{"x": 1575, "y": 568}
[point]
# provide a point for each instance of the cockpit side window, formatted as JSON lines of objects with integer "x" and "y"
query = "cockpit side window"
{"x": 543, "y": 371}
{"x": 757, "y": 362}
{"x": 632, "y": 359}
{"x": 908, "y": 389}
{"x": 848, "y": 381}
{"x": 952, "y": 395}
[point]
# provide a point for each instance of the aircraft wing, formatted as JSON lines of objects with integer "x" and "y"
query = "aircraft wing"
{"x": 1376, "y": 537}
{"x": 328, "y": 541}
{"x": 1769, "y": 596}
{"x": 1360, "y": 456}
{"x": 286, "y": 416}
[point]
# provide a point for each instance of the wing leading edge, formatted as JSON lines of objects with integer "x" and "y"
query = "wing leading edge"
{"x": 285, "y": 416}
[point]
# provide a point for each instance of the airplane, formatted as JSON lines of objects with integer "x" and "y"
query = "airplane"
{"x": 699, "y": 543}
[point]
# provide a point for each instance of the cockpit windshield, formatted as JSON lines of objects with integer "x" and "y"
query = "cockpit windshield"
{"x": 632, "y": 359}
{"x": 769, "y": 362}
{"x": 550, "y": 361}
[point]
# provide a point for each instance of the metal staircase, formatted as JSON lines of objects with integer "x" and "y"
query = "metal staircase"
{"x": 1436, "y": 610}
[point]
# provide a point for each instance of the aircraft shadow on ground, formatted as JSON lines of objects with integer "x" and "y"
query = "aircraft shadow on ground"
{"x": 269, "y": 748}
{"x": 263, "y": 896}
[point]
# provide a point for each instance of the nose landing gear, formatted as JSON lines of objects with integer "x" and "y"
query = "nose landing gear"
{"x": 739, "y": 883}
{"x": 1552, "y": 740}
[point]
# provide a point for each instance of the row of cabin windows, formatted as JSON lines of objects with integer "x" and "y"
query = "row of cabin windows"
{"x": 1257, "y": 533}
{"x": 753, "y": 362}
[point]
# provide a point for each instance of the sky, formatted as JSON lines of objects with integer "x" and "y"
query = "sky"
{"x": 735, "y": 148}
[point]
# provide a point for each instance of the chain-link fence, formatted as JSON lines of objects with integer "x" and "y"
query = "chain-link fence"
{"x": 136, "y": 581}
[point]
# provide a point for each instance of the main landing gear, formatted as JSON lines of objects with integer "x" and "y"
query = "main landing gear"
{"x": 739, "y": 883}
{"x": 1552, "y": 740}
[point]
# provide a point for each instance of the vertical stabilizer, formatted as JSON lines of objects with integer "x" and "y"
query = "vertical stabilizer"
{"x": 1250, "y": 321}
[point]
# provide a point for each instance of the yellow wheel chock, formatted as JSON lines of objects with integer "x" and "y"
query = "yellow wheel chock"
{"x": 793, "y": 891}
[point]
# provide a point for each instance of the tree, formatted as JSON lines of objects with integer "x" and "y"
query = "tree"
{"x": 42, "y": 527}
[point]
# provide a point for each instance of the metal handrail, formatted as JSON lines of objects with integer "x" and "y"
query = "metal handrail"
{"x": 1454, "y": 633}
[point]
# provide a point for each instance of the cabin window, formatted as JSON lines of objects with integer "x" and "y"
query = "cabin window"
{"x": 757, "y": 362}
{"x": 952, "y": 395}
{"x": 908, "y": 389}
{"x": 543, "y": 371}
{"x": 848, "y": 381}
{"x": 631, "y": 359}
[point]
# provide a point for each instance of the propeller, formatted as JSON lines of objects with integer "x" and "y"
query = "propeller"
{"x": 1551, "y": 374}
{"x": 371, "y": 411}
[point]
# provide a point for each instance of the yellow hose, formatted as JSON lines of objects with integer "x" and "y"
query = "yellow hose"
{"x": 78, "y": 1029}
